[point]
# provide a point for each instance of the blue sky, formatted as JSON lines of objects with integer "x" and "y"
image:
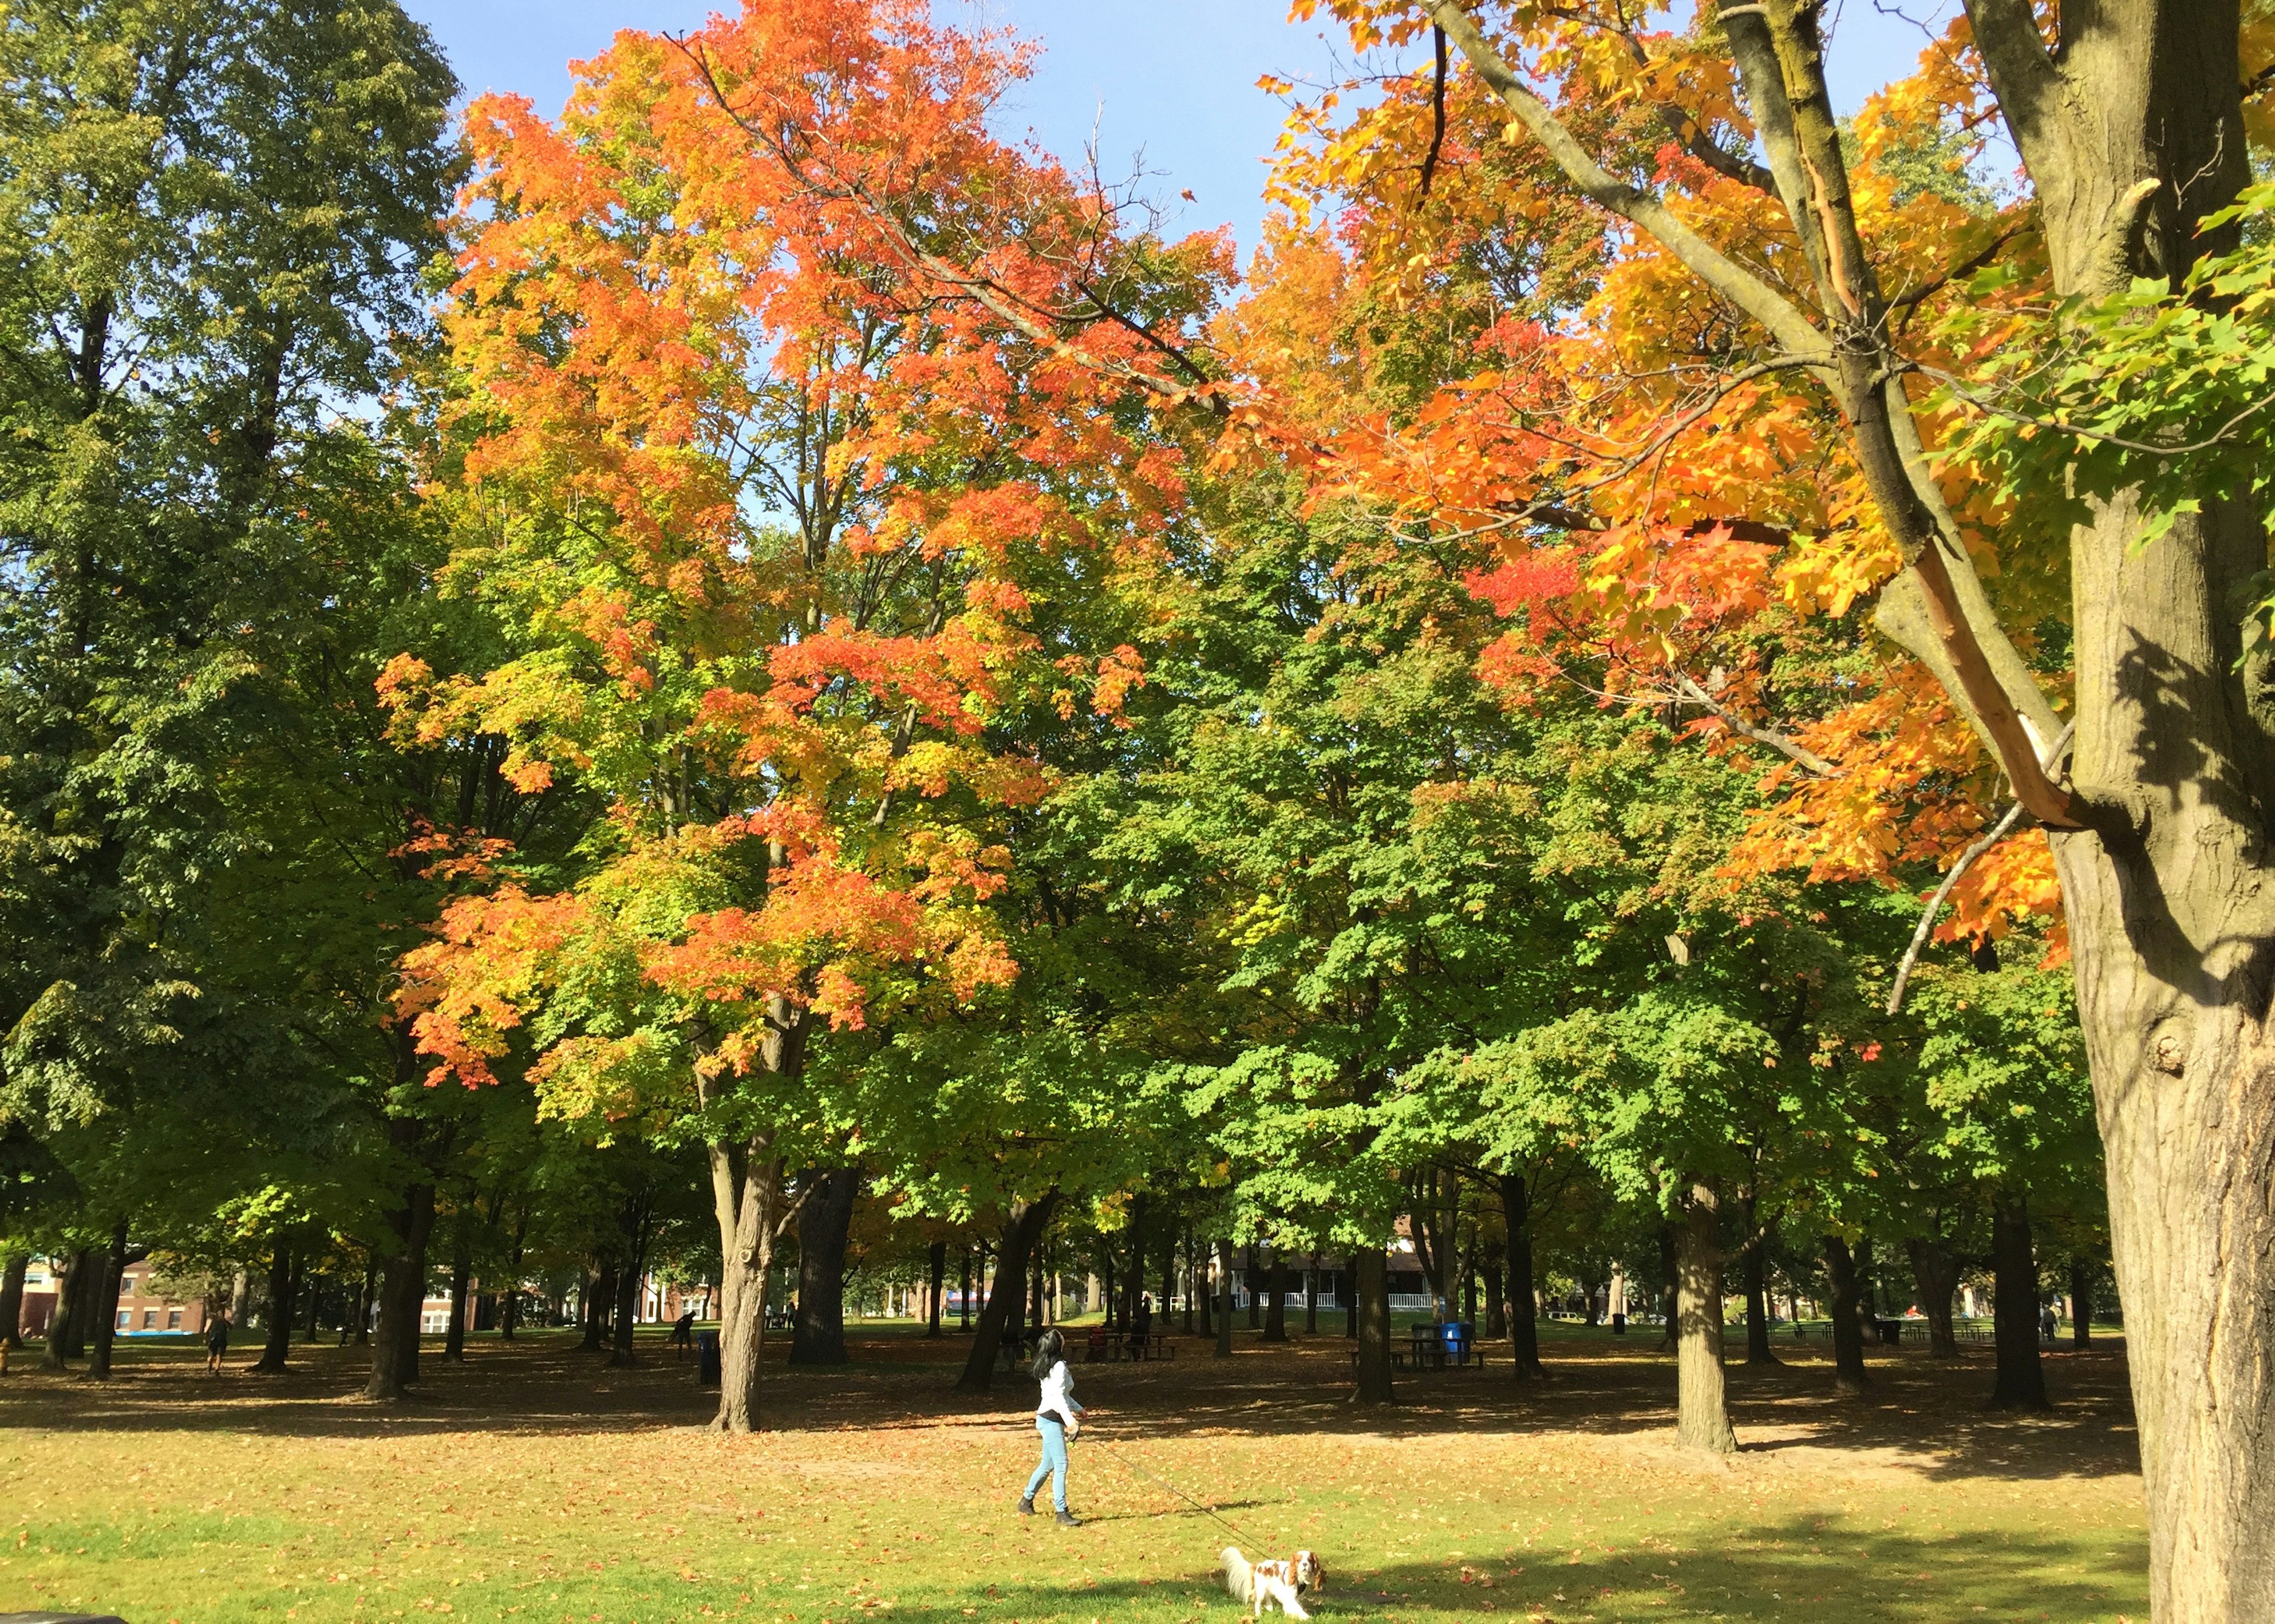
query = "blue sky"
{"x": 1175, "y": 79}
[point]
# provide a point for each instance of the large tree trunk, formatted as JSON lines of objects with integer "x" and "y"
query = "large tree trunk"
{"x": 937, "y": 1273}
{"x": 818, "y": 1335}
{"x": 2130, "y": 136}
{"x": 462, "y": 1275}
{"x": 105, "y": 1316}
{"x": 631, "y": 1277}
{"x": 1701, "y": 1413}
{"x": 1848, "y": 1329}
{"x": 748, "y": 1199}
{"x": 12, "y": 1300}
{"x": 70, "y": 1285}
{"x": 1276, "y": 1312}
{"x": 1224, "y": 1299}
{"x": 1023, "y": 1228}
{"x": 1524, "y": 1314}
{"x": 401, "y": 1295}
{"x": 2021, "y": 1380}
{"x": 276, "y": 1346}
{"x": 2081, "y": 1302}
{"x": 1755, "y": 1269}
{"x": 1936, "y": 1277}
{"x": 1371, "y": 1268}
{"x": 1251, "y": 1272}
{"x": 599, "y": 1293}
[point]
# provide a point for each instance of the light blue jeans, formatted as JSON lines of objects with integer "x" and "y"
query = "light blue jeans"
{"x": 1054, "y": 1461}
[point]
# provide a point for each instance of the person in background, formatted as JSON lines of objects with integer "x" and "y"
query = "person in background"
{"x": 2048, "y": 1321}
{"x": 216, "y": 1342}
{"x": 1141, "y": 1323}
{"x": 682, "y": 1333}
{"x": 1058, "y": 1418}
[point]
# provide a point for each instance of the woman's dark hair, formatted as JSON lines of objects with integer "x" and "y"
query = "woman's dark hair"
{"x": 1050, "y": 1347}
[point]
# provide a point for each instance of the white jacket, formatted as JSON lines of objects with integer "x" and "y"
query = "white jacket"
{"x": 1058, "y": 1395}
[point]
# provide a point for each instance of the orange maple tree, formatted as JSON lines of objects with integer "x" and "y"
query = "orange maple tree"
{"x": 802, "y": 428}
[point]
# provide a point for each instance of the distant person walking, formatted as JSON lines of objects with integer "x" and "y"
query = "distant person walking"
{"x": 1141, "y": 1323}
{"x": 1058, "y": 1417}
{"x": 216, "y": 1342}
{"x": 682, "y": 1333}
{"x": 2048, "y": 1321}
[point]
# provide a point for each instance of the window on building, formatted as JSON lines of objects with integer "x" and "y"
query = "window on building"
{"x": 173, "y": 1320}
{"x": 149, "y": 1317}
{"x": 125, "y": 1318}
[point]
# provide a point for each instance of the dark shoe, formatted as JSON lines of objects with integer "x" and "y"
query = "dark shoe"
{"x": 1026, "y": 1505}
{"x": 1068, "y": 1520}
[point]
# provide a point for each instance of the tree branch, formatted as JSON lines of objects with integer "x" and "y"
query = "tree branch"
{"x": 1785, "y": 322}
{"x": 1998, "y": 832}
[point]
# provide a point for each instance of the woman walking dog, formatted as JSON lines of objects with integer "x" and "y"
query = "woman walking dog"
{"x": 1058, "y": 1417}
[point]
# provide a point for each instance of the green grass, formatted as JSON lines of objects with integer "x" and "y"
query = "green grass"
{"x": 534, "y": 1483}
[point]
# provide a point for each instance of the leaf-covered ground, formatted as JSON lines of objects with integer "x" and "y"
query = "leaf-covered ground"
{"x": 534, "y": 1483}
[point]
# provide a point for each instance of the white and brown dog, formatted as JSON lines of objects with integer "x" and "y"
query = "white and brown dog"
{"x": 1282, "y": 1580}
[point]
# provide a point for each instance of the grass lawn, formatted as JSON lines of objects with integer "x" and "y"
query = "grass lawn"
{"x": 534, "y": 1483}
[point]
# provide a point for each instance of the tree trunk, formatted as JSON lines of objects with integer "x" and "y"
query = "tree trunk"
{"x": 277, "y": 1346}
{"x": 631, "y": 1275}
{"x": 113, "y": 1265}
{"x": 752, "y": 1204}
{"x": 1312, "y": 1296}
{"x": 1754, "y": 1268}
{"x": 1194, "y": 1274}
{"x": 964, "y": 1293}
{"x": 1936, "y": 1277}
{"x": 1372, "y": 1299}
{"x": 1276, "y": 1312}
{"x": 2021, "y": 1380}
{"x": 363, "y": 1307}
{"x": 1849, "y": 1375}
{"x": 1135, "y": 1288}
{"x": 1111, "y": 1297}
{"x": 509, "y": 1299}
{"x": 2081, "y": 1302}
{"x": 1224, "y": 1299}
{"x": 1020, "y": 1233}
{"x": 599, "y": 1293}
{"x": 1702, "y": 1415}
{"x": 401, "y": 1295}
{"x": 817, "y": 1334}
{"x": 936, "y": 1267}
{"x": 1670, "y": 1266}
{"x": 1524, "y": 1315}
{"x": 1250, "y": 1271}
{"x": 1168, "y": 1279}
{"x": 1350, "y": 1298}
{"x": 12, "y": 1300}
{"x": 462, "y": 1270}
{"x": 54, "y": 1355}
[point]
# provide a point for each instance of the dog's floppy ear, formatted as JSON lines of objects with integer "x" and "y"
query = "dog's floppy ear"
{"x": 1318, "y": 1575}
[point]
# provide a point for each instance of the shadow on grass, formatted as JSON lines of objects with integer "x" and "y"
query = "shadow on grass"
{"x": 1775, "y": 1569}
{"x": 1922, "y": 1413}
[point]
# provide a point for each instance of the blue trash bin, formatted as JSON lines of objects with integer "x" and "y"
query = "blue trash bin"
{"x": 1457, "y": 1338}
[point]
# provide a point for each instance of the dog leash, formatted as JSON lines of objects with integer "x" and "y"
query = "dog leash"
{"x": 1165, "y": 1484}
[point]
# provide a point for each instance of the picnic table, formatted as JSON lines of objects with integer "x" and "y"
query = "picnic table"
{"x": 1106, "y": 1347}
{"x": 1435, "y": 1348}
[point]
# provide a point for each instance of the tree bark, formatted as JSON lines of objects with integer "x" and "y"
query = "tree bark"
{"x": 600, "y": 1293}
{"x": 106, "y": 1303}
{"x": 631, "y": 1277}
{"x": 1524, "y": 1314}
{"x": 276, "y": 1346}
{"x": 1754, "y": 1267}
{"x": 1702, "y": 1412}
{"x": 461, "y": 1270}
{"x": 1022, "y": 1229}
{"x": 1276, "y": 1312}
{"x": 1670, "y": 1267}
{"x": 818, "y": 1335}
{"x": 751, "y": 1201}
{"x": 1849, "y": 1375}
{"x": 1134, "y": 1287}
{"x": 936, "y": 1264}
{"x": 69, "y": 1287}
{"x": 2022, "y": 1379}
{"x": 1250, "y": 1271}
{"x": 1194, "y": 1275}
{"x": 401, "y": 1295}
{"x": 1312, "y": 1296}
{"x": 2081, "y": 1302}
{"x": 1224, "y": 1299}
{"x": 363, "y": 1306}
{"x": 12, "y": 1299}
{"x": 1372, "y": 1269}
{"x": 1936, "y": 1277}
{"x": 509, "y": 1299}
